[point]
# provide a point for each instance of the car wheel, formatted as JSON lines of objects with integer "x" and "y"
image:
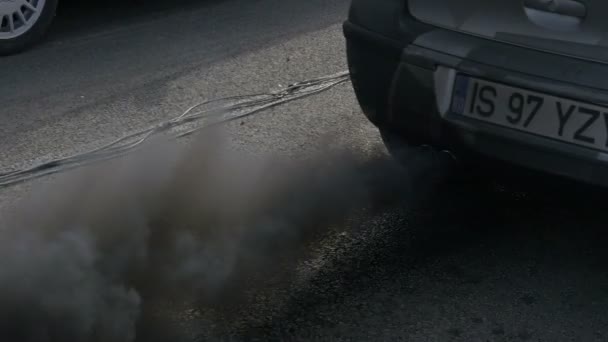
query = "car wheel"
{"x": 23, "y": 23}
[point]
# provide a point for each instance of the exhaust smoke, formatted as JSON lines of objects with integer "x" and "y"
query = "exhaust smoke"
{"x": 83, "y": 258}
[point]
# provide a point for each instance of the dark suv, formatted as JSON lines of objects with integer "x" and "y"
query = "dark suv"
{"x": 518, "y": 81}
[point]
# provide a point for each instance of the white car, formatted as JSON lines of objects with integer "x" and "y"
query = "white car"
{"x": 24, "y": 22}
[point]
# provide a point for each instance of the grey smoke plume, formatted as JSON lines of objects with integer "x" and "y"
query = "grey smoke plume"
{"x": 80, "y": 258}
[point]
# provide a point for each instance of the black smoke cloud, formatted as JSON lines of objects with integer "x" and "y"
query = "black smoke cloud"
{"x": 81, "y": 258}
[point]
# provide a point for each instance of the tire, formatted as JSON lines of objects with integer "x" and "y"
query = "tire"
{"x": 24, "y": 35}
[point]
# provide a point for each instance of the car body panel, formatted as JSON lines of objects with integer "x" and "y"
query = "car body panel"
{"x": 571, "y": 27}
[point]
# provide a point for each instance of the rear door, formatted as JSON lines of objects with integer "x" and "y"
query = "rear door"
{"x": 570, "y": 27}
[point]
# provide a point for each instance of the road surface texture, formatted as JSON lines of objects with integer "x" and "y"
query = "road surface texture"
{"x": 474, "y": 263}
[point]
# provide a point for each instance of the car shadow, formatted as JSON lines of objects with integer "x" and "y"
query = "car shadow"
{"x": 470, "y": 239}
{"x": 75, "y": 18}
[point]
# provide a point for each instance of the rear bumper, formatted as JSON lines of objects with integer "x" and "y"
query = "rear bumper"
{"x": 405, "y": 86}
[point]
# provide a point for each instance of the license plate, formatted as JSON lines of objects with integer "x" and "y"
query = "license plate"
{"x": 536, "y": 113}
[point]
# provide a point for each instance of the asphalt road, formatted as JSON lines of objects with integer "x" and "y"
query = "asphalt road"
{"x": 474, "y": 263}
